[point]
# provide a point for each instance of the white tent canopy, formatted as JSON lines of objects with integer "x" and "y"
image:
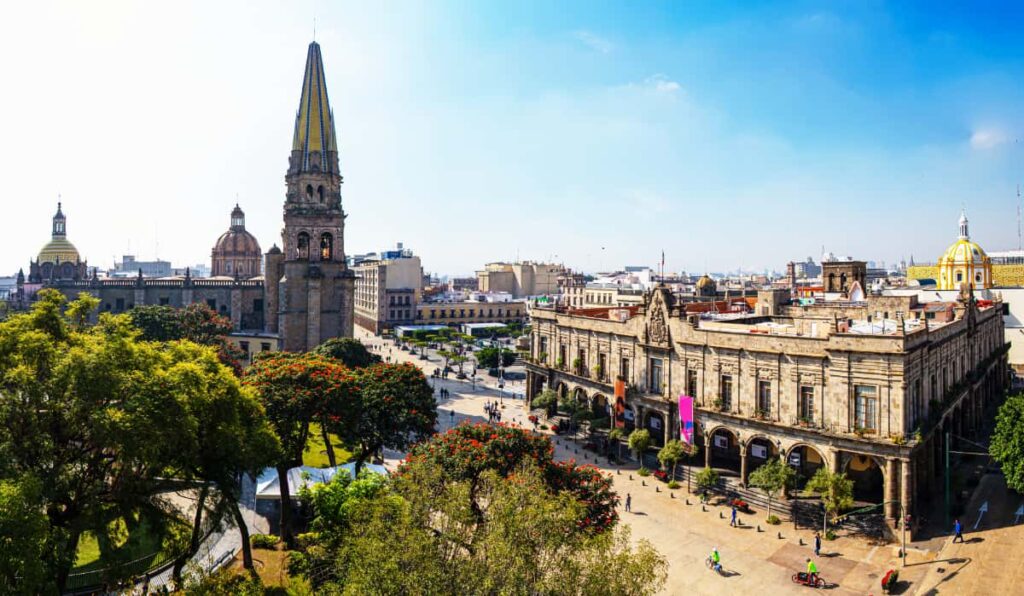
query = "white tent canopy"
{"x": 268, "y": 486}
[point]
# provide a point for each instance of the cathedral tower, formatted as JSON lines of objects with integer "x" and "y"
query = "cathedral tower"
{"x": 310, "y": 288}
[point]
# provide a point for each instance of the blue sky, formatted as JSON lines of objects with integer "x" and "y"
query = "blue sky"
{"x": 594, "y": 133}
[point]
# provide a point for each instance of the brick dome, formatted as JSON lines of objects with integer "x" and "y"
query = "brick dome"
{"x": 236, "y": 252}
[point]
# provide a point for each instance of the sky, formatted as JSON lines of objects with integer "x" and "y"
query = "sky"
{"x": 726, "y": 134}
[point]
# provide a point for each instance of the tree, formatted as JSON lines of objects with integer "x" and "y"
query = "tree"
{"x": 546, "y": 400}
{"x": 836, "y": 490}
{"x": 707, "y": 479}
{"x": 489, "y": 357}
{"x": 670, "y": 454}
{"x": 639, "y": 441}
{"x": 349, "y": 351}
{"x": 466, "y": 452}
{"x": 772, "y": 477}
{"x": 196, "y": 323}
{"x": 394, "y": 407}
{"x": 296, "y": 389}
{"x": 523, "y": 542}
{"x": 1007, "y": 442}
{"x": 99, "y": 418}
{"x": 25, "y": 535}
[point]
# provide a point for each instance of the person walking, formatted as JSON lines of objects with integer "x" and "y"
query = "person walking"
{"x": 629, "y": 502}
{"x": 817, "y": 544}
{"x": 958, "y": 531}
{"x": 732, "y": 521}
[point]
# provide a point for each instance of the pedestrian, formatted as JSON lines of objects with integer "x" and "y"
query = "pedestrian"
{"x": 732, "y": 521}
{"x": 629, "y": 502}
{"x": 817, "y": 544}
{"x": 958, "y": 531}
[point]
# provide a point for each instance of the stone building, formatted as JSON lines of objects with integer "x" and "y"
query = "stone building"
{"x": 237, "y": 252}
{"x": 471, "y": 311}
{"x": 305, "y": 296}
{"x": 520, "y": 279}
{"x": 839, "y": 276}
{"x": 59, "y": 259}
{"x": 387, "y": 292}
{"x": 869, "y": 388}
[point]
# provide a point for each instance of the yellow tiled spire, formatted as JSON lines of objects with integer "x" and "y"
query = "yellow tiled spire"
{"x": 314, "y": 122}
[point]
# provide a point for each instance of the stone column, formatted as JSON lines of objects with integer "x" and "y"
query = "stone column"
{"x": 668, "y": 427}
{"x": 907, "y": 486}
{"x": 236, "y": 307}
{"x": 833, "y": 461}
{"x": 890, "y": 490}
{"x": 707, "y": 451}
{"x": 743, "y": 466}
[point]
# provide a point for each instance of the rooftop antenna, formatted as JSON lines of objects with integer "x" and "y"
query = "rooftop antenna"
{"x": 314, "y": 27}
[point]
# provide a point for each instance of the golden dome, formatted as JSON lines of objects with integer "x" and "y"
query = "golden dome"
{"x": 705, "y": 282}
{"x": 58, "y": 249}
{"x": 964, "y": 262}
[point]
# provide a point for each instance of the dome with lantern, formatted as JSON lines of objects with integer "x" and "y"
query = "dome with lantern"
{"x": 964, "y": 262}
{"x": 706, "y": 286}
{"x": 236, "y": 253}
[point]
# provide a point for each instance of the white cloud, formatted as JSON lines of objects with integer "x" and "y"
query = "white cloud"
{"x": 662, "y": 84}
{"x": 593, "y": 41}
{"x": 987, "y": 138}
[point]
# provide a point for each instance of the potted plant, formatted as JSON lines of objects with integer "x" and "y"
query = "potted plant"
{"x": 577, "y": 365}
{"x": 889, "y": 580}
{"x": 760, "y": 414}
{"x": 740, "y": 504}
{"x": 542, "y": 358}
{"x": 804, "y": 421}
{"x": 560, "y": 363}
{"x": 717, "y": 402}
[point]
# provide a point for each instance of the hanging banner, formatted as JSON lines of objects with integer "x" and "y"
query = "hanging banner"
{"x": 620, "y": 403}
{"x": 686, "y": 419}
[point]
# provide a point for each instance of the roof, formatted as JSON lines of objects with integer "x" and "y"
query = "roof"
{"x": 314, "y": 122}
{"x": 268, "y": 485}
{"x": 963, "y": 251}
{"x": 58, "y": 249}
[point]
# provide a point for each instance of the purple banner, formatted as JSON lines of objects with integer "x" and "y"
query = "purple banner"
{"x": 686, "y": 419}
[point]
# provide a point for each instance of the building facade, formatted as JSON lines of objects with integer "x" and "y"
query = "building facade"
{"x": 867, "y": 388}
{"x": 520, "y": 279}
{"x": 471, "y": 311}
{"x": 387, "y": 292}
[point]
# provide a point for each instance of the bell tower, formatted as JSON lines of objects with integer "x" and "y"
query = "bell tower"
{"x": 309, "y": 284}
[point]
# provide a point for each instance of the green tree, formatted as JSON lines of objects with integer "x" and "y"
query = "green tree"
{"x": 670, "y": 454}
{"x": 1007, "y": 442}
{"x": 491, "y": 357}
{"x": 639, "y": 441}
{"x": 517, "y": 545}
{"x": 196, "y": 323}
{"x": 349, "y": 351}
{"x": 836, "y": 490}
{"x": 546, "y": 400}
{"x": 295, "y": 390}
{"x": 99, "y": 418}
{"x": 773, "y": 476}
{"x": 706, "y": 479}
{"x": 24, "y": 536}
{"x": 394, "y": 408}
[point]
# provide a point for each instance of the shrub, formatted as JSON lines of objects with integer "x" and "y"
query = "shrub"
{"x": 306, "y": 539}
{"x": 830, "y": 534}
{"x": 707, "y": 478}
{"x": 673, "y": 484}
{"x": 268, "y": 541}
{"x": 889, "y": 579}
{"x": 773, "y": 520}
{"x": 644, "y": 472}
{"x": 543, "y": 427}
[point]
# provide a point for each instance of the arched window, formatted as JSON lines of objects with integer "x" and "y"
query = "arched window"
{"x": 320, "y": 191}
{"x": 309, "y": 192}
{"x": 326, "y": 247}
{"x": 302, "y": 246}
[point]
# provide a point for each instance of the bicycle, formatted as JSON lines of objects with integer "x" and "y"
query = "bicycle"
{"x": 712, "y": 565}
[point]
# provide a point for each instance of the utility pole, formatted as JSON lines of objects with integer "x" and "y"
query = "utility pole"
{"x": 945, "y": 510}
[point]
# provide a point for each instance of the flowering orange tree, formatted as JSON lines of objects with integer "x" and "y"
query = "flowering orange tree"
{"x": 296, "y": 389}
{"x": 465, "y": 452}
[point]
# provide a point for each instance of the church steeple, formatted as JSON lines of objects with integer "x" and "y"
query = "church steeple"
{"x": 314, "y": 144}
{"x": 964, "y": 234}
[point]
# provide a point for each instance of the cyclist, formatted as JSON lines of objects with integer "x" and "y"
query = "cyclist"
{"x": 812, "y": 572}
{"x": 716, "y": 560}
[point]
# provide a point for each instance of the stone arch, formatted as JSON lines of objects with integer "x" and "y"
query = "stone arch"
{"x": 868, "y": 477}
{"x": 562, "y": 390}
{"x": 326, "y": 246}
{"x": 806, "y": 460}
{"x": 599, "y": 405}
{"x": 760, "y": 450}
{"x": 309, "y": 192}
{"x": 723, "y": 445}
{"x": 320, "y": 192}
{"x": 654, "y": 421}
{"x": 302, "y": 245}
{"x": 579, "y": 395}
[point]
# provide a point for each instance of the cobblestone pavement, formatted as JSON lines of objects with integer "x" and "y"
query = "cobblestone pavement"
{"x": 755, "y": 561}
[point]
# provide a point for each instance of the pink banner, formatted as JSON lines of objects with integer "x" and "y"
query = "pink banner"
{"x": 686, "y": 419}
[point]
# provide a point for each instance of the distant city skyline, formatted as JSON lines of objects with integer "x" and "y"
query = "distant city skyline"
{"x": 731, "y": 137}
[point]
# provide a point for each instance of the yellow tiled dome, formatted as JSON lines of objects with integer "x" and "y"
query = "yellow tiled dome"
{"x": 58, "y": 250}
{"x": 964, "y": 262}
